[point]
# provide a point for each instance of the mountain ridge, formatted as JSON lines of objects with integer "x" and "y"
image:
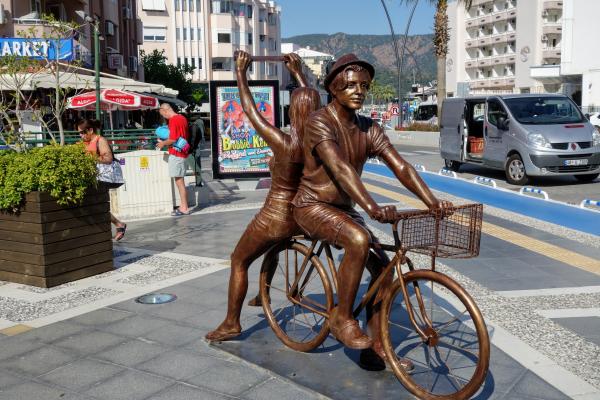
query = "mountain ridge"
{"x": 419, "y": 58}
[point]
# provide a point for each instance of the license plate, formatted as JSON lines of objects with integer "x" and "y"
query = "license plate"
{"x": 583, "y": 161}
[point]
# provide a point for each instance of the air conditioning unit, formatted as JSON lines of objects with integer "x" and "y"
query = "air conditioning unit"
{"x": 133, "y": 63}
{"x": 544, "y": 38}
{"x": 110, "y": 28}
{"x": 115, "y": 61}
{"x": 127, "y": 14}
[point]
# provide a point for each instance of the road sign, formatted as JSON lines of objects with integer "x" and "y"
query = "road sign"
{"x": 394, "y": 110}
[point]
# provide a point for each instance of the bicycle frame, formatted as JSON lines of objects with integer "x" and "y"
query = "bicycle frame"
{"x": 396, "y": 263}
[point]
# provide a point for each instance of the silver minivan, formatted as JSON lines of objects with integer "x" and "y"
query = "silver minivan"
{"x": 523, "y": 134}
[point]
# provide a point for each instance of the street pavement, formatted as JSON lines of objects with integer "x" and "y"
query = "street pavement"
{"x": 91, "y": 340}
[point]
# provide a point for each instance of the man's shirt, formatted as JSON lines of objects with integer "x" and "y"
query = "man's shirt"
{"x": 178, "y": 127}
{"x": 365, "y": 139}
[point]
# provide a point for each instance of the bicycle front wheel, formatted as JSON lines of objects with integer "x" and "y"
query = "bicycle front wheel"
{"x": 451, "y": 358}
{"x": 298, "y": 298}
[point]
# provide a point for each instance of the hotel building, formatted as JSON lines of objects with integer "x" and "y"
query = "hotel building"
{"x": 204, "y": 34}
{"x": 523, "y": 46}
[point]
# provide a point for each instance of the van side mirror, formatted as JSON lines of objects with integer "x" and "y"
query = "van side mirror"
{"x": 587, "y": 116}
{"x": 503, "y": 123}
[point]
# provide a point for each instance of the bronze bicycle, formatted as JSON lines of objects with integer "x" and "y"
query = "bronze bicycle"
{"x": 426, "y": 317}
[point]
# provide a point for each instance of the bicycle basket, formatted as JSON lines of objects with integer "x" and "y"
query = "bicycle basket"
{"x": 453, "y": 236}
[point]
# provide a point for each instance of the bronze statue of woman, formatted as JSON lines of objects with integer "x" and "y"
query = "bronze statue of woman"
{"x": 275, "y": 221}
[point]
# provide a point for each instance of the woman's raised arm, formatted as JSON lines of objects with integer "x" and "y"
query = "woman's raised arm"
{"x": 273, "y": 136}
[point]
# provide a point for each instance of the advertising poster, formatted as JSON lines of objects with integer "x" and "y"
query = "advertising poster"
{"x": 238, "y": 151}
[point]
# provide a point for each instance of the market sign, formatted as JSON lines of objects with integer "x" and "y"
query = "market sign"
{"x": 37, "y": 48}
{"x": 238, "y": 150}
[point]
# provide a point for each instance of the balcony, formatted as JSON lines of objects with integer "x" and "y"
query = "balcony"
{"x": 491, "y": 61}
{"x": 552, "y": 5}
{"x": 550, "y": 28}
{"x": 492, "y": 39}
{"x": 481, "y": 20}
{"x": 480, "y": 2}
{"x": 551, "y": 52}
{"x": 493, "y": 83}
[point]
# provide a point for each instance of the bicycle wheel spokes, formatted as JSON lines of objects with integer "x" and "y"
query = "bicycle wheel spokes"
{"x": 299, "y": 303}
{"x": 452, "y": 360}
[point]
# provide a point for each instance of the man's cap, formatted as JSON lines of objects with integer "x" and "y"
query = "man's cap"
{"x": 342, "y": 63}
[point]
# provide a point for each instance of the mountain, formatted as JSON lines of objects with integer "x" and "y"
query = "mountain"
{"x": 419, "y": 57}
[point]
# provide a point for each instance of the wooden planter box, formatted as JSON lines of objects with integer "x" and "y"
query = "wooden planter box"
{"x": 47, "y": 245}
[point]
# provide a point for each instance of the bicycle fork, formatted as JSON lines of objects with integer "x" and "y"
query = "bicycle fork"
{"x": 427, "y": 333}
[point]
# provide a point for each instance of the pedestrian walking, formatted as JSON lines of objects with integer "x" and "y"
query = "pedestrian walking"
{"x": 98, "y": 146}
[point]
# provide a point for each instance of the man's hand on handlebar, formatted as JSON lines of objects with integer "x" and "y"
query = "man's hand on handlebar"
{"x": 444, "y": 205}
{"x": 293, "y": 62}
{"x": 385, "y": 214}
{"x": 242, "y": 60}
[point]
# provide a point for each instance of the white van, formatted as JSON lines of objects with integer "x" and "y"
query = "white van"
{"x": 523, "y": 134}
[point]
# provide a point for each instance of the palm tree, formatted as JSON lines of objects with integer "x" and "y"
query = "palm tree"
{"x": 441, "y": 37}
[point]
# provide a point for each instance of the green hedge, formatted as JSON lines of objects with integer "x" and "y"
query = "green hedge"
{"x": 65, "y": 172}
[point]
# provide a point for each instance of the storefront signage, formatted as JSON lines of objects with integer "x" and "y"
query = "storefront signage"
{"x": 238, "y": 151}
{"x": 38, "y": 49}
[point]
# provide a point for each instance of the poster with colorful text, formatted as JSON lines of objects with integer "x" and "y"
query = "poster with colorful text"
{"x": 238, "y": 151}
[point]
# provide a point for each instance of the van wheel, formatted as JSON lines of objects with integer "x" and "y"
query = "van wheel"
{"x": 586, "y": 178}
{"x": 515, "y": 170}
{"x": 452, "y": 165}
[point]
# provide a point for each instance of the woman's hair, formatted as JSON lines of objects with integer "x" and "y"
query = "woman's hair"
{"x": 303, "y": 102}
{"x": 85, "y": 124}
{"x": 341, "y": 79}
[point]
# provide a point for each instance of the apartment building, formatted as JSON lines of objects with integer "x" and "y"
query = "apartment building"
{"x": 495, "y": 44}
{"x": 204, "y": 34}
{"x": 120, "y": 31}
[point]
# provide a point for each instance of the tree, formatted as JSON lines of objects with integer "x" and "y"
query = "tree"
{"x": 156, "y": 70}
{"x": 441, "y": 37}
{"x": 22, "y": 75}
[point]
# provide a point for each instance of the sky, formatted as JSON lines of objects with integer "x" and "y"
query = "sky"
{"x": 299, "y": 17}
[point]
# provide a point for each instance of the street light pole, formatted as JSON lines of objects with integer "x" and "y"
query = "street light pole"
{"x": 97, "y": 64}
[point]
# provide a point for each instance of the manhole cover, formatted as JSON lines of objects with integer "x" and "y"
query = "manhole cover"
{"x": 156, "y": 298}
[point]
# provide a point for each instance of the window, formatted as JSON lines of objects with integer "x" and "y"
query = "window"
{"x": 178, "y": 61}
{"x": 223, "y": 37}
{"x": 192, "y": 33}
{"x": 495, "y": 110}
{"x": 221, "y": 6}
{"x": 249, "y": 40}
{"x": 199, "y": 34}
{"x": 152, "y": 5}
{"x": 272, "y": 18}
{"x": 193, "y": 63}
{"x": 186, "y": 63}
{"x": 249, "y": 11}
{"x": 272, "y": 44}
{"x": 221, "y": 64}
{"x": 184, "y": 8}
{"x": 199, "y": 63}
{"x": 262, "y": 15}
{"x": 177, "y": 34}
{"x": 184, "y": 33}
{"x": 177, "y": 5}
{"x": 198, "y": 6}
{"x": 155, "y": 33}
{"x": 272, "y": 69}
{"x": 191, "y": 5}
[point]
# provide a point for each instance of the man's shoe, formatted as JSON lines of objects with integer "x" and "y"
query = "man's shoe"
{"x": 350, "y": 334}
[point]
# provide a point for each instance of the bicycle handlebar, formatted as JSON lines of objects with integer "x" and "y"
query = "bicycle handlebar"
{"x": 262, "y": 58}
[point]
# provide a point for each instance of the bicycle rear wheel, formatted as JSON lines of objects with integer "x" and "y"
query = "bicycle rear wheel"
{"x": 451, "y": 362}
{"x": 298, "y": 315}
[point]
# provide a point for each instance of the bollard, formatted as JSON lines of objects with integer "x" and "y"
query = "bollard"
{"x": 527, "y": 189}
{"x": 419, "y": 167}
{"x": 447, "y": 172}
{"x": 485, "y": 181}
{"x": 589, "y": 202}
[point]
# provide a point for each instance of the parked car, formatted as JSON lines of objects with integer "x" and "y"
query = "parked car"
{"x": 523, "y": 134}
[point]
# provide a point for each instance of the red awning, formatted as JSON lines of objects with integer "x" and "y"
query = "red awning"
{"x": 113, "y": 99}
